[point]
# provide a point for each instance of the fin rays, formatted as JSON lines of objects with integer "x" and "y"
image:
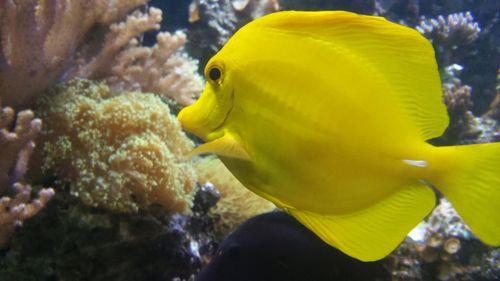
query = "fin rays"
{"x": 372, "y": 233}
{"x": 400, "y": 55}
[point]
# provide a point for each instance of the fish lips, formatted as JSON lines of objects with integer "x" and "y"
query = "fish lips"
{"x": 189, "y": 121}
{"x": 206, "y": 116}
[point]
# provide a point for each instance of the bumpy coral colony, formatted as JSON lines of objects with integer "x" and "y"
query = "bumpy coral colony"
{"x": 120, "y": 151}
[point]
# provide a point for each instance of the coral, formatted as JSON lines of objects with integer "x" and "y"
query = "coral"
{"x": 236, "y": 203}
{"x": 16, "y": 145}
{"x": 40, "y": 38}
{"x": 452, "y": 31}
{"x": 16, "y": 204}
{"x": 14, "y": 210}
{"x": 44, "y": 42}
{"x": 463, "y": 126}
{"x": 446, "y": 250}
{"x": 158, "y": 70}
{"x": 490, "y": 132}
{"x": 126, "y": 66}
{"x": 457, "y": 98}
{"x": 444, "y": 221}
{"x": 119, "y": 151}
{"x": 450, "y": 35}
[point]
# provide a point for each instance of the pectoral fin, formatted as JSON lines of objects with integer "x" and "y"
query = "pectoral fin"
{"x": 372, "y": 233}
{"x": 226, "y": 146}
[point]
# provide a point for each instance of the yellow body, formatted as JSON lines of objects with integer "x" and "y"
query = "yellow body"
{"x": 326, "y": 114}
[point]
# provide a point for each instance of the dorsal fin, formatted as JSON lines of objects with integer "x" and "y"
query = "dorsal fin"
{"x": 401, "y": 55}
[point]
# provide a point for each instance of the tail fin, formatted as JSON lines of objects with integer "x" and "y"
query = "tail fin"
{"x": 472, "y": 184}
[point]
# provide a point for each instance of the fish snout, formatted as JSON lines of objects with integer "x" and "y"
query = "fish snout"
{"x": 192, "y": 122}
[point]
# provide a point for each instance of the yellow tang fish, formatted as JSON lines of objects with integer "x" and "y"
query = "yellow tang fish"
{"x": 326, "y": 114}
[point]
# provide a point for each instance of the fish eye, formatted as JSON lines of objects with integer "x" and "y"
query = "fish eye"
{"x": 215, "y": 75}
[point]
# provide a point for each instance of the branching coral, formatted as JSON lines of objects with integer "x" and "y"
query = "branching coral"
{"x": 464, "y": 126}
{"x": 456, "y": 29}
{"x": 40, "y": 38}
{"x": 457, "y": 98}
{"x": 15, "y": 203}
{"x": 236, "y": 203}
{"x": 127, "y": 66}
{"x": 450, "y": 34}
{"x": 120, "y": 151}
{"x": 43, "y": 42}
{"x": 16, "y": 145}
{"x": 14, "y": 210}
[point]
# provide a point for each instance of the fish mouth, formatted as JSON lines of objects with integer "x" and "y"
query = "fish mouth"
{"x": 206, "y": 120}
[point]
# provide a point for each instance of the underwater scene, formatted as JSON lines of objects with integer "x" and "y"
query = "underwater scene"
{"x": 249, "y": 140}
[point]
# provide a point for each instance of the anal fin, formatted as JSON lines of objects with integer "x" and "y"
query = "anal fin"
{"x": 372, "y": 233}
